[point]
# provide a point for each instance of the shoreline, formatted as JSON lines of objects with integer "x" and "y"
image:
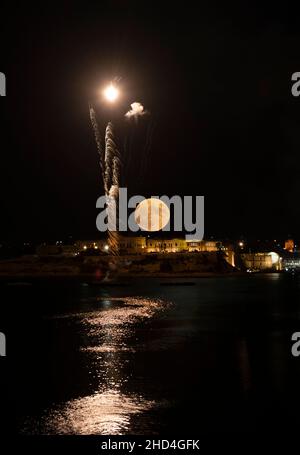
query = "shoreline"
{"x": 119, "y": 278}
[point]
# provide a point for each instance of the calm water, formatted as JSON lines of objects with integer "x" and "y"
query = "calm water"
{"x": 147, "y": 359}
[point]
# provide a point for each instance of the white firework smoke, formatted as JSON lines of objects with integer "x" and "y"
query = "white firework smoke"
{"x": 137, "y": 110}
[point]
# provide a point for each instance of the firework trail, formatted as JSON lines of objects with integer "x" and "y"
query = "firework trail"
{"x": 112, "y": 214}
{"x": 112, "y": 161}
{"x": 112, "y": 164}
{"x": 97, "y": 139}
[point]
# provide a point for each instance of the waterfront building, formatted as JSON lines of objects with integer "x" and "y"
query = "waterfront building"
{"x": 166, "y": 245}
{"x": 289, "y": 245}
{"x": 262, "y": 261}
{"x": 291, "y": 262}
{"x": 136, "y": 245}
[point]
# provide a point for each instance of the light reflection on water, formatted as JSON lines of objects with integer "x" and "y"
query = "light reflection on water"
{"x": 106, "y": 413}
{"x": 106, "y": 333}
{"x": 110, "y": 328}
{"x": 116, "y": 366}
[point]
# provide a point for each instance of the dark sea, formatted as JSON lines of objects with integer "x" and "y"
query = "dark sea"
{"x": 147, "y": 358}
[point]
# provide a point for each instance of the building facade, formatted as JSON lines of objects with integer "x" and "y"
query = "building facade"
{"x": 141, "y": 245}
{"x": 291, "y": 262}
{"x": 166, "y": 246}
{"x": 138, "y": 245}
{"x": 261, "y": 261}
{"x": 289, "y": 245}
{"x": 203, "y": 245}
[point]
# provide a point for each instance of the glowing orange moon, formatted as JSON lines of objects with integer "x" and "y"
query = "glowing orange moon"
{"x": 152, "y": 214}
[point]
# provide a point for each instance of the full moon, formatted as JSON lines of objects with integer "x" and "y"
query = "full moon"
{"x": 152, "y": 214}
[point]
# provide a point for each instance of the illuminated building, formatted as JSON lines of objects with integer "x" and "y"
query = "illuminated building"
{"x": 127, "y": 245}
{"x": 289, "y": 245}
{"x": 262, "y": 261}
{"x": 141, "y": 245}
{"x": 292, "y": 262}
{"x": 132, "y": 245}
{"x": 84, "y": 245}
{"x": 229, "y": 254}
{"x": 166, "y": 246}
{"x": 203, "y": 245}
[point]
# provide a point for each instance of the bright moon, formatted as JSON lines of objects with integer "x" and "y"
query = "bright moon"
{"x": 111, "y": 93}
{"x": 152, "y": 214}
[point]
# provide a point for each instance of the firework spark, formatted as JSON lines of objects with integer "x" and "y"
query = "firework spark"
{"x": 110, "y": 162}
{"x": 111, "y": 185}
{"x": 97, "y": 138}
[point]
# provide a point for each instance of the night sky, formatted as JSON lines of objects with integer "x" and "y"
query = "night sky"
{"x": 217, "y": 84}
